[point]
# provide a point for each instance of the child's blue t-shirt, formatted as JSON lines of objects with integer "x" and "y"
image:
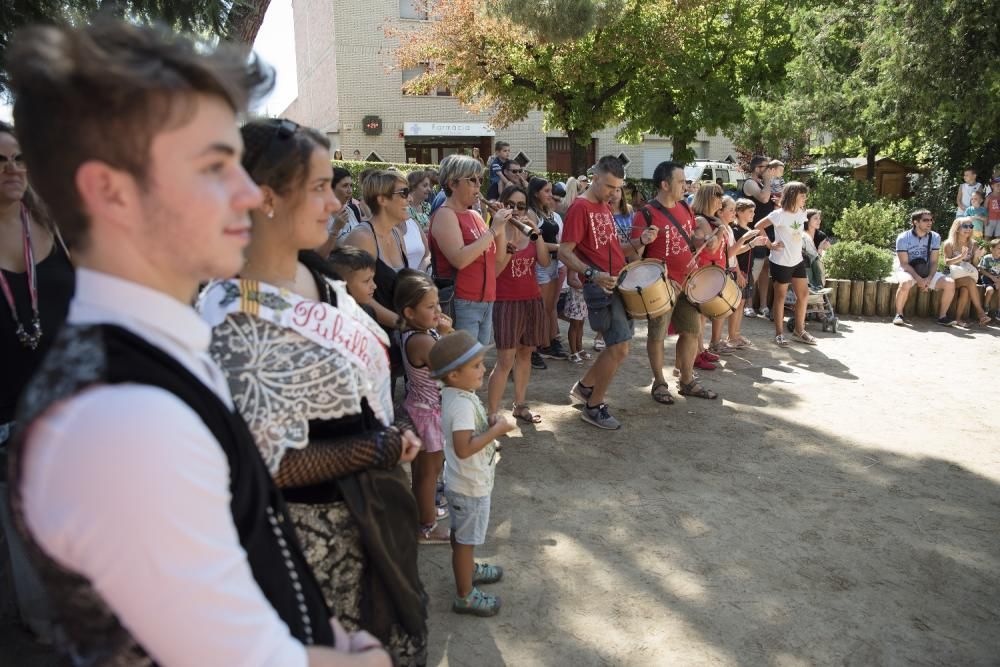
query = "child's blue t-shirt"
{"x": 974, "y": 211}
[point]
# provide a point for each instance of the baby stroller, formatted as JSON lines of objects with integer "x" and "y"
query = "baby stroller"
{"x": 818, "y": 305}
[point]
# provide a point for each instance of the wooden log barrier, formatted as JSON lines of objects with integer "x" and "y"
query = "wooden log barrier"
{"x": 857, "y": 296}
{"x": 923, "y": 301}
{"x": 883, "y": 307}
{"x": 843, "y": 297}
{"x": 868, "y": 306}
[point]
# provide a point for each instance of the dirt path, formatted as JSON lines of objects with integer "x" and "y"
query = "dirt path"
{"x": 839, "y": 505}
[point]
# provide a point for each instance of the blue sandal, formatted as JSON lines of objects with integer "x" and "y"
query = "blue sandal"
{"x": 486, "y": 574}
{"x": 477, "y": 603}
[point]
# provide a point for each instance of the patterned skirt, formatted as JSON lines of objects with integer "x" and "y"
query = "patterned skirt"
{"x": 331, "y": 539}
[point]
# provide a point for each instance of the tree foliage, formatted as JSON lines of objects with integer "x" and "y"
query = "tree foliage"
{"x": 655, "y": 65}
{"x": 238, "y": 20}
{"x": 556, "y": 20}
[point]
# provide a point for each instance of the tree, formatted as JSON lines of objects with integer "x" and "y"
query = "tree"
{"x": 491, "y": 64}
{"x": 238, "y": 20}
{"x": 722, "y": 50}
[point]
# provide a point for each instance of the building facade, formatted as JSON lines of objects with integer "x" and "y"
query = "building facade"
{"x": 349, "y": 88}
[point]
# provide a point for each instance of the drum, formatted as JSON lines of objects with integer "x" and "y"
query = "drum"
{"x": 645, "y": 290}
{"x": 713, "y": 292}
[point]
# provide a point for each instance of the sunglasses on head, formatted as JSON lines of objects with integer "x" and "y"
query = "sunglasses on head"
{"x": 285, "y": 129}
{"x": 17, "y": 161}
{"x": 520, "y": 206}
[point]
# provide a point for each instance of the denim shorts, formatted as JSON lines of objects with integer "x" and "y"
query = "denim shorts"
{"x": 476, "y": 317}
{"x": 470, "y": 517}
{"x": 606, "y": 313}
{"x": 546, "y": 274}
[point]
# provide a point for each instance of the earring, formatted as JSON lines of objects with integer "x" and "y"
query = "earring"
{"x": 270, "y": 214}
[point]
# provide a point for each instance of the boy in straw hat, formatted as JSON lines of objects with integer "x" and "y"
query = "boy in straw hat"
{"x": 471, "y": 453}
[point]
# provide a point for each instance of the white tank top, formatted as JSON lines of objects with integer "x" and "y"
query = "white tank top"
{"x": 415, "y": 248}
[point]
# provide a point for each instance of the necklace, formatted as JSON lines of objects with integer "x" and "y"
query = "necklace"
{"x": 28, "y": 340}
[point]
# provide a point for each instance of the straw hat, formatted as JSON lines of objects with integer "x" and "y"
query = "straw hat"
{"x": 452, "y": 352}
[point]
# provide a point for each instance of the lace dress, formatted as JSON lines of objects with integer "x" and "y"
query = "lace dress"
{"x": 322, "y": 421}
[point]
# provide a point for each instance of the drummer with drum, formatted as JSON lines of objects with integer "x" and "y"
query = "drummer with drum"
{"x": 677, "y": 246}
{"x": 590, "y": 247}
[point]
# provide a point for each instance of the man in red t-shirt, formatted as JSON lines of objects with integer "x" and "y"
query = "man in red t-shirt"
{"x": 992, "y": 230}
{"x": 672, "y": 248}
{"x": 590, "y": 247}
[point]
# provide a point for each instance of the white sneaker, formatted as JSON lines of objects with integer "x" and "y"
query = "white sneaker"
{"x": 898, "y": 320}
{"x": 765, "y": 312}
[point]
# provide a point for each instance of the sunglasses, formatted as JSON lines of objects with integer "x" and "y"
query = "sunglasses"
{"x": 966, "y": 225}
{"x": 520, "y": 206}
{"x": 405, "y": 192}
{"x": 17, "y": 161}
{"x": 284, "y": 130}
{"x": 516, "y": 171}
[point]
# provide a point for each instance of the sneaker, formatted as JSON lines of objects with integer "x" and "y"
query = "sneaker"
{"x": 765, "y": 313}
{"x": 486, "y": 574}
{"x": 576, "y": 358}
{"x": 599, "y": 344}
{"x": 537, "y": 362}
{"x": 581, "y": 393}
{"x": 705, "y": 354}
{"x": 600, "y": 417}
{"x": 946, "y": 321}
{"x": 703, "y": 363}
{"x": 749, "y": 312}
{"x": 898, "y": 320}
{"x": 442, "y": 512}
{"x": 555, "y": 350}
{"x": 436, "y": 534}
{"x": 476, "y": 603}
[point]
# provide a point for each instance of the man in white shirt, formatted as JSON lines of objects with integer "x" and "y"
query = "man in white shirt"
{"x": 145, "y": 508}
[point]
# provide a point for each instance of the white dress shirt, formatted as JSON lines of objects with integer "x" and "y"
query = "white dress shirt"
{"x": 125, "y": 485}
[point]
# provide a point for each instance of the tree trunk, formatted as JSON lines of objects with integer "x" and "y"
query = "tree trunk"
{"x": 245, "y": 20}
{"x": 871, "y": 152}
{"x": 680, "y": 149}
{"x": 578, "y": 152}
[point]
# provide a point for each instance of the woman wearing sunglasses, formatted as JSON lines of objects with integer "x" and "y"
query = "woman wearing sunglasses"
{"x": 464, "y": 249}
{"x": 519, "y": 323}
{"x": 962, "y": 255}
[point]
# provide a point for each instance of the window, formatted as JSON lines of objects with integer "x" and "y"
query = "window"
{"x": 413, "y": 9}
{"x": 414, "y": 72}
{"x": 723, "y": 174}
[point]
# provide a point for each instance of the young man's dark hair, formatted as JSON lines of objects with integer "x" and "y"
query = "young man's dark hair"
{"x": 83, "y": 95}
{"x": 347, "y": 259}
{"x": 664, "y": 171}
{"x": 500, "y": 145}
{"x": 611, "y": 166}
{"x": 917, "y": 214}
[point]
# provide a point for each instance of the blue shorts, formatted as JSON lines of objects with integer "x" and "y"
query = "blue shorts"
{"x": 470, "y": 517}
{"x": 476, "y": 317}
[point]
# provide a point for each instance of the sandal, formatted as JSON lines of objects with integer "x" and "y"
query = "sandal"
{"x": 804, "y": 337}
{"x": 664, "y": 396}
{"x": 586, "y": 356}
{"x": 780, "y": 340}
{"x": 523, "y": 414}
{"x": 484, "y": 573}
{"x": 476, "y": 603}
{"x": 741, "y": 343}
{"x": 984, "y": 320}
{"x": 692, "y": 388}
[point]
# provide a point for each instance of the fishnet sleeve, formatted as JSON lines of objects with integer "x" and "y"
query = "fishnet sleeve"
{"x": 324, "y": 460}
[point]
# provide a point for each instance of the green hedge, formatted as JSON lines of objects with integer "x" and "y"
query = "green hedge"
{"x": 853, "y": 260}
{"x": 832, "y": 194}
{"x": 875, "y": 224}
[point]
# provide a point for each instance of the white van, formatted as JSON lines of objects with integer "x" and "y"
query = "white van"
{"x": 710, "y": 171}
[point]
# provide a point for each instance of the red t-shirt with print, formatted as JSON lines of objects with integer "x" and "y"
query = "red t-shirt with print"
{"x": 993, "y": 207}
{"x": 518, "y": 281}
{"x": 669, "y": 246}
{"x": 592, "y": 228}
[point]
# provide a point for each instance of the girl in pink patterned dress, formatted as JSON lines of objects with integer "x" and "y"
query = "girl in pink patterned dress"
{"x": 416, "y": 301}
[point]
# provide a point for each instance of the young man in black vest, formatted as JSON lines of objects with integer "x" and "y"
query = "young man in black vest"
{"x": 143, "y": 501}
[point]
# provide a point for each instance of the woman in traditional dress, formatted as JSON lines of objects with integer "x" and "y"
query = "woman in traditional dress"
{"x": 309, "y": 372}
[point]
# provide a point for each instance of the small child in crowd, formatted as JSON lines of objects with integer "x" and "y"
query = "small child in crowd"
{"x": 471, "y": 454}
{"x": 777, "y": 169}
{"x": 977, "y": 211}
{"x": 963, "y": 199}
{"x": 416, "y": 300}
{"x": 574, "y": 311}
{"x": 355, "y": 267}
{"x": 989, "y": 275}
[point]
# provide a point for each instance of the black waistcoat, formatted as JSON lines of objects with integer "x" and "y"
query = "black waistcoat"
{"x": 86, "y": 355}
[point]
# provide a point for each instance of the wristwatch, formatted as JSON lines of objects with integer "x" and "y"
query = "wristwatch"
{"x": 589, "y": 274}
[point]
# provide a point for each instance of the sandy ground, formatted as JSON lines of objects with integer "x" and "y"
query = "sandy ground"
{"x": 837, "y": 505}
